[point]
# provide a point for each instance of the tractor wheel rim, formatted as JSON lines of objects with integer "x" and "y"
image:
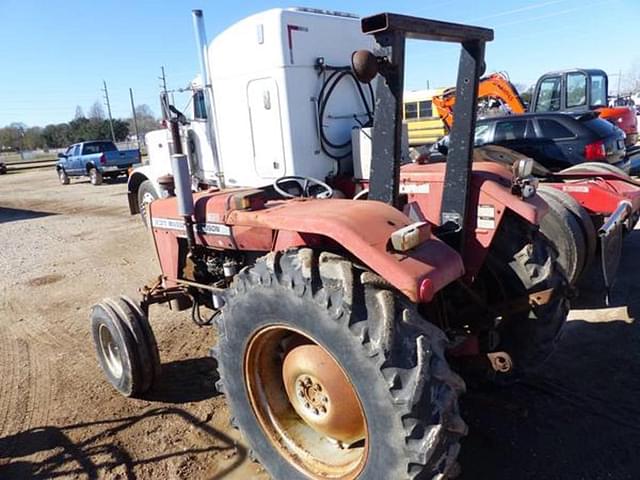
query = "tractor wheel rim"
{"x": 110, "y": 352}
{"x": 305, "y": 404}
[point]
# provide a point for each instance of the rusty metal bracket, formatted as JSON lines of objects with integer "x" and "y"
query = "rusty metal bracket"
{"x": 501, "y": 362}
{"x": 541, "y": 298}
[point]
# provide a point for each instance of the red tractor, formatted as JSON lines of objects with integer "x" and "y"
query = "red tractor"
{"x": 342, "y": 322}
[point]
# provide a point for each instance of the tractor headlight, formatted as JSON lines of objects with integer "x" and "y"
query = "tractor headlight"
{"x": 523, "y": 168}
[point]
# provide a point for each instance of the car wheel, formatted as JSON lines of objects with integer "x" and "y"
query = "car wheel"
{"x": 95, "y": 176}
{"x": 146, "y": 194}
{"x": 63, "y": 177}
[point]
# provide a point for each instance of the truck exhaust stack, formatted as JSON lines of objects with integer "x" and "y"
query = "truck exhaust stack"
{"x": 201, "y": 42}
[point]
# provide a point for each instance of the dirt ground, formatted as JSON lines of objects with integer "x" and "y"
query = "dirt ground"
{"x": 64, "y": 248}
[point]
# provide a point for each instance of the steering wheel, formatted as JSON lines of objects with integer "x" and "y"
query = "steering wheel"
{"x": 307, "y": 184}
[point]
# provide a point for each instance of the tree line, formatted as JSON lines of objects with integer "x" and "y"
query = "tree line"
{"x": 93, "y": 126}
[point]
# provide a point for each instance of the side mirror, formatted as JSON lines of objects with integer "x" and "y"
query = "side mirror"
{"x": 62, "y": 155}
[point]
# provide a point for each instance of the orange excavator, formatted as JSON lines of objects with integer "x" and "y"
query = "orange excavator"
{"x": 574, "y": 90}
{"x": 494, "y": 90}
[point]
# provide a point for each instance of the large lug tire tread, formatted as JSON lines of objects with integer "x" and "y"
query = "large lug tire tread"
{"x": 586, "y": 224}
{"x": 129, "y": 382}
{"x": 393, "y": 357}
{"x": 563, "y": 230}
{"x": 524, "y": 262}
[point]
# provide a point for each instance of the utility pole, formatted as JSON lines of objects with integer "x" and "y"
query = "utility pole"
{"x": 135, "y": 117}
{"x": 106, "y": 97}
{"x": 164, "y": 81}
{"x": 619, "y": 79}
{"x": 164, "y": 96}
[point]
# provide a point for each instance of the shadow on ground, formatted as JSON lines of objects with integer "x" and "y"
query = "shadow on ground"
{"x": 97, "y": 454}
{"x": 17, "y": 214}
{"x": 182, "y": 381}
{"x": 578, "y": 417}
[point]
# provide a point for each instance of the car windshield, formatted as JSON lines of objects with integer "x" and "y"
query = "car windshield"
{"x": 98, "y": 147}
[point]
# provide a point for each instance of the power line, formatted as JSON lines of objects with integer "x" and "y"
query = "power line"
{"x": 504, "y": 13}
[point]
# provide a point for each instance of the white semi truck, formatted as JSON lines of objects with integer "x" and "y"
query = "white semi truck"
{"x": 276, "y": 94}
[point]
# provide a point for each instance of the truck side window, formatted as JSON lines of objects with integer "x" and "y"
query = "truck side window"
{"x": 424, "y": 109}
{"x": 510, "y": 130}
{"x": 549, "y": 95}
{"x": 90, "y": 149}
{"x": 199, "y": 107}
{"x": 576, "y": 89}
{"x": 411, "y": 110}
{"x": 598, "y": 90}
{"x": 552, "y": 129}
{"x": 76, "y": 151}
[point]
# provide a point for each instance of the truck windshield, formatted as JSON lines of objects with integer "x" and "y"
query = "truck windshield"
{"x": 598, "y": 90}
{"x": 98, "y": 147}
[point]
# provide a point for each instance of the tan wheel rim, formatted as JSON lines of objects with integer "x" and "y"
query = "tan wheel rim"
{"x": 305, "y": 403}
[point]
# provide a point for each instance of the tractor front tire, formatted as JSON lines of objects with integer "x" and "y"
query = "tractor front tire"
{"x": 125, "y": 346}
{"x": 330, "y": 373}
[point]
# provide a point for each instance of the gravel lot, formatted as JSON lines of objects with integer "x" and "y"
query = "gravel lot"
{"x": 64, "y": 248}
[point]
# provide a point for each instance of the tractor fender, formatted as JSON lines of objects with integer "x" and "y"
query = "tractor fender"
{"x": 531, "y": 210}
{"x": 362, "y": 228}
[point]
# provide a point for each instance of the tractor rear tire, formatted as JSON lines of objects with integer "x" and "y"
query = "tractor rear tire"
{"x": 95, "y": 177}
{"x": 523, "y": 263}
{"x": 392, "y": 362}
{"x": 125, "y": 351}
{"x": 563, "y": 230}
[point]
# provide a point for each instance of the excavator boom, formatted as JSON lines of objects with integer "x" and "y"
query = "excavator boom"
{"x": 495, "y": 86}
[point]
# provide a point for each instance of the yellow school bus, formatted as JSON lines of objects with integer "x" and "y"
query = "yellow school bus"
{"x": 423, "y": 123}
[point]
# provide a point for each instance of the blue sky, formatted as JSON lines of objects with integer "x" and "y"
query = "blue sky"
{"x": 55, "y": 53}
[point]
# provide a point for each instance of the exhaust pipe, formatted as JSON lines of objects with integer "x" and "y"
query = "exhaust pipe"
{"x": 201, "y": 42}
{"x": 618, "y": 216}
{"x": 182, "y": 179}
